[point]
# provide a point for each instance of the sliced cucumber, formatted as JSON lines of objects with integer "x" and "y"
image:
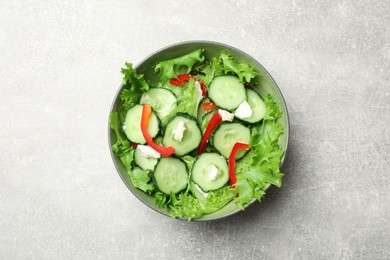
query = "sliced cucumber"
{"x": 133, "y": 125}
{"x": 146, "y": 163}
{"x": 210, "y": 171}
{"x": 227, "y": 135}
{"x": 162, "y": 101}
{"x": 257, "y": 106}
{"x": 227, "y": 92}
{"x": 170, "y": 175}
{"x": 191, "y": 137}
{"x": 206, "y": 119}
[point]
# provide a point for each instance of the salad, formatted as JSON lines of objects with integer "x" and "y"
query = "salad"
{"x": 198, "y": 136}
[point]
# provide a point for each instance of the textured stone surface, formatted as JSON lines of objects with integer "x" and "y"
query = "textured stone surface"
{"x": 60, "y": 197}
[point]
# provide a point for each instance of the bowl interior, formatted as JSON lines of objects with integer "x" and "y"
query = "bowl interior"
{"x": 265, "y": 85}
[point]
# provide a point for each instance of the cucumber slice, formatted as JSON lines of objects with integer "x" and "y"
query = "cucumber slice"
{"x": 191, "y": 136}
{"x": 133, "y": 125}
{"x": 257, "y": 106}
{"x": 146, "y": 163}
{"x": 227, "y": 135}
{"x": 170, "y": 175}
{"x": 206, "y": 119}
{"x": 210, "y": 171}
{"x": 227, "y": 92}
{"x": 162, "y": 101}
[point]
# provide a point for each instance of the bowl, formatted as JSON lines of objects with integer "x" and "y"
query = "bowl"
{"x": 265, "y": 85}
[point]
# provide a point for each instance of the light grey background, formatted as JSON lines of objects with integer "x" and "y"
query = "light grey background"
{"x": 60, "y": 196}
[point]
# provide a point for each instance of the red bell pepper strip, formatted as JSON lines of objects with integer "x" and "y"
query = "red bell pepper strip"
{"x": 184, "y": 77}
{"x": 176, "y": 82}
{"x": 232, "y": 161}
{"x": 134, "y": 145}
{"x": 214, "y": 121}
{"x": 146, "y": 113}
{"x": 180, "y": 80}
{"x": 203, "y": 88}
{"x": 209, "y": 106}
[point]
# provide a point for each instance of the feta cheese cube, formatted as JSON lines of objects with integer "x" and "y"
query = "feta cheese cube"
{"x": 178, "y": 133}
{"x": 226, "y": 116}
{"x": 243, "y": 110}
{"x": 213, "y": 172}
{"x": 148, "y": 151}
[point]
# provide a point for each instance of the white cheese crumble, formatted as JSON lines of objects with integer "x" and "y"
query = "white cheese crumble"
{"x": 213, "y": 172}
{"x": 179, "y": 131}
{"x": 148, "y": 151}
{"x": 199, "y": 90}
{"x": 243, "y": 110}
{"x": 226, "y": 116}
{"x": 124, "y": 127}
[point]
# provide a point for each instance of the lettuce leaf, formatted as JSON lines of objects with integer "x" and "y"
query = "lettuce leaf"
{"x": 135, "y": 85}
{"x": 273, "y": 111}
{"x": 161, "y": 199}
{"x": 187, "y": 102}
{"x": 260, "y": 166}
{"x": 141, "y": 179}
{"x": 207, "y": 72}
{"x": 187, "y": 206}
{"x": 169, "y": 69}
{"x": 227, "y": 64}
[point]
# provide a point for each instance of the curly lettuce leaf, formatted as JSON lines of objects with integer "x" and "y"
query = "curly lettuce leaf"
{"x": 135, "y": 85}
{"x": 207, "y": 72}
{"x": 161, "y": 199}
{"x": 187, "y": 102}
{"x": 169, "y": 69}
{"x": 248, "y": 186}
{"x": 227, "y": 64}
{"x": 273, "y": 111}
{"x": 141, "y": 179}
{"x": 188, "y": 206}
{"x": 260, "y": 166}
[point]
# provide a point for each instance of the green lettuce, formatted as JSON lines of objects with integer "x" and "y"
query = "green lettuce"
{"x": 141, "y": 179}
{"x": 187, "y": 102}
{"x": 260, "y": 166}
{"x": 170, "y": 69}
{"x": 161, "y": 199}
{"x": 135, "y": 85}
{"x": 208, "y": 72}
{"x": 226, "y": 64}
{"x": 187, "y": 206}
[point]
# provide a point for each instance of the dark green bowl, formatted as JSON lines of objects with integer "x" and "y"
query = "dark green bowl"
{"x": 265, "y": 85}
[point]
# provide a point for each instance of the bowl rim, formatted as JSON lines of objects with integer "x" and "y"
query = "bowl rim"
{"x": 287, "y": 131}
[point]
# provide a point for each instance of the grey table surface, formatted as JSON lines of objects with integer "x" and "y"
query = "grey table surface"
{"x": 60, "y": 196}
